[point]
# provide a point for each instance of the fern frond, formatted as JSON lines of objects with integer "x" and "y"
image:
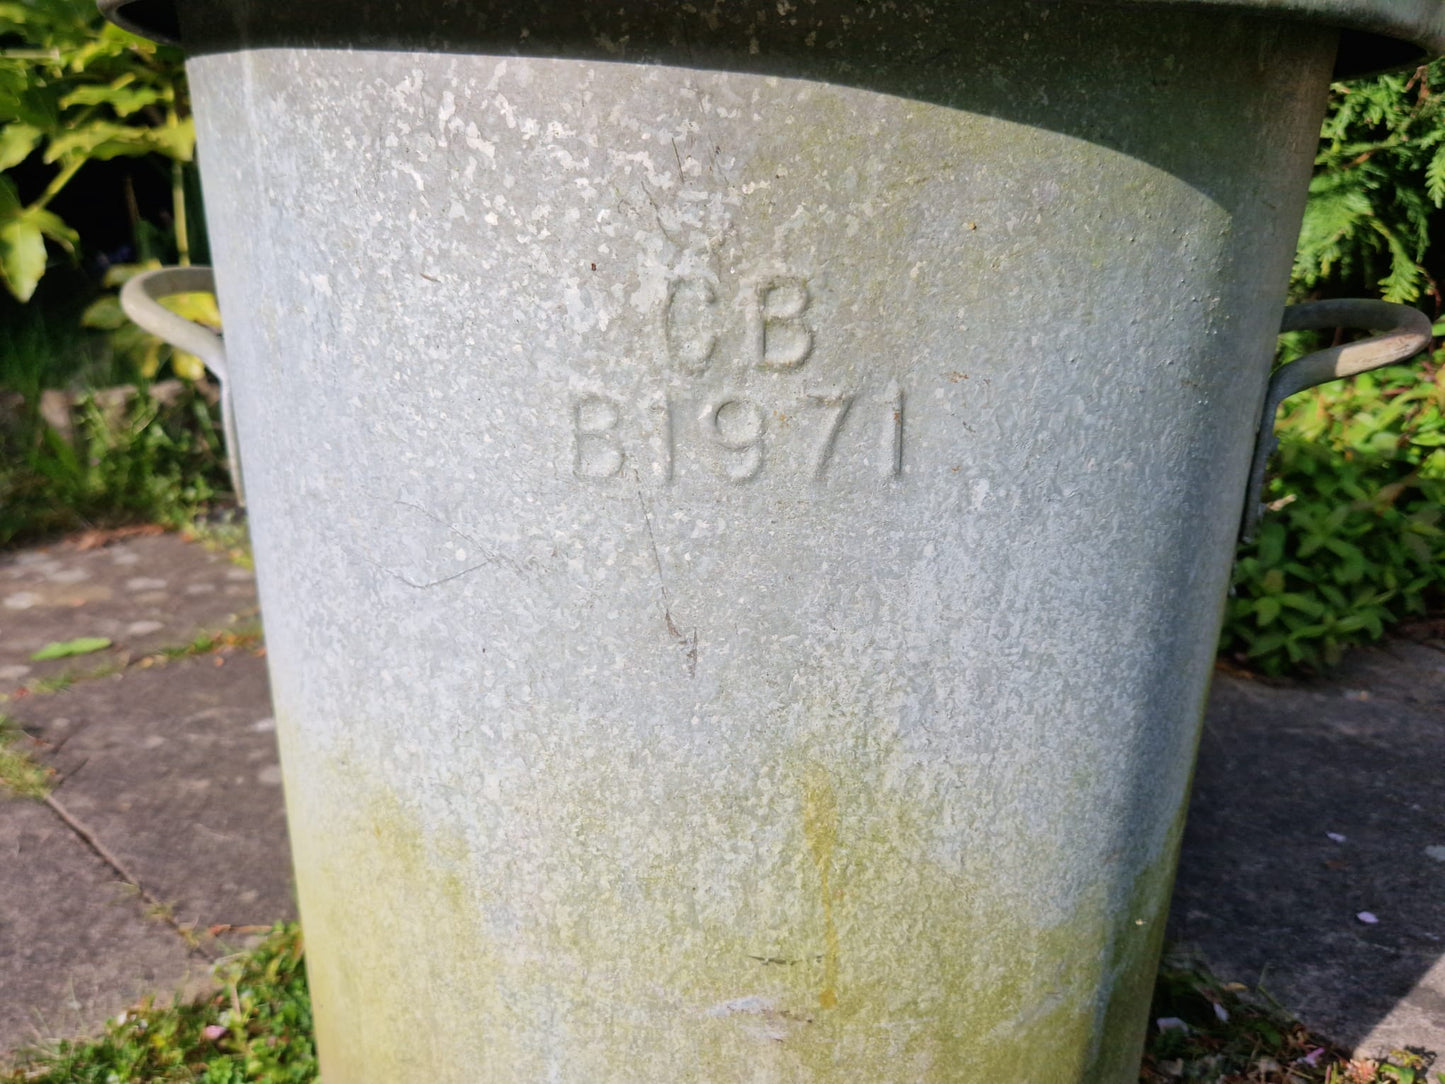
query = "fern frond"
{"x": 1406, "y": 276}
{"x": 1435, "y": 175}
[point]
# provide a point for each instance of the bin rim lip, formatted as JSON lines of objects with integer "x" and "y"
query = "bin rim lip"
{"x": 1378, "y": 34}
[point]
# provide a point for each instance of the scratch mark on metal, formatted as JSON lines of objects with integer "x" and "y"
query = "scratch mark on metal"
{"x": 488, "y": 557}
{"x": 689, "y": 639}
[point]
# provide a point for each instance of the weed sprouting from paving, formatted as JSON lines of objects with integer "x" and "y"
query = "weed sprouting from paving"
{"x": 21, "y": 776}
{"x": 226, "y": 534}
{"x": 1204, "y": 1031}
{"x": 245, "y": 635}
{"x": 255, "y": 1026}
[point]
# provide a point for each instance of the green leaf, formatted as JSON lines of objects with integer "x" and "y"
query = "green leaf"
{"x": 100, "y": 139}
{"x": 104, "y": 313}
{"x": 178, "y": 142}
{"x": 123, "y": 100}
{"x": 14, "y": 15}
{"x": 64, "y": 649}
{"x": 37, "y": 105}
{"x": 1271, "y": 544}
{"x": 52, "y": 226}
{"x": 17, "y": 140}
{"x": 1430, "y": 439}
{"x": 9, "y": 198}
{"x": 22, "y": 255}
{"x": 1303, "y": 603}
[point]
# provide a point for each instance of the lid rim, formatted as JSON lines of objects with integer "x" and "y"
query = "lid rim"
{"x": 1378, "y": 34}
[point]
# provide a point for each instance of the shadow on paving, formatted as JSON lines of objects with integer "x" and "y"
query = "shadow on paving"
{"x": 1317, "y": 808}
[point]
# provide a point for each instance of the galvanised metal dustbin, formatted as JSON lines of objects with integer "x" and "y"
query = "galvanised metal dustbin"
{"x": 743, "y": 496}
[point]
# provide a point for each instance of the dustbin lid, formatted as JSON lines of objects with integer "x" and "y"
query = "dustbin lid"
{"x": 1378, "y": 34}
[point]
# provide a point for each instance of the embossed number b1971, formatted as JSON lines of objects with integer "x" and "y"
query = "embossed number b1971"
{"x": 736, "y": 437}
{"x": 733, "y": 433}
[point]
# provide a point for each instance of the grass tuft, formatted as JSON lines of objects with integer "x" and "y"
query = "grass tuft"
{"x": 255, "y": 1028}
{"x": 20, "y": 774}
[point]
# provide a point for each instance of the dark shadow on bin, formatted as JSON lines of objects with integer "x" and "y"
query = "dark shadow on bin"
{"x": 972, "y": 57}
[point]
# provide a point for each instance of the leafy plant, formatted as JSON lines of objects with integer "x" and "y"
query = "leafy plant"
{"x": 43, "y": 345}
{"x": 75, "y": 90}
{"x": 1353, "y": 540}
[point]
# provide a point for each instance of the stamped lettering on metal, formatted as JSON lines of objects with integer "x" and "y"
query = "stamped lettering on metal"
{"x": 772, "y": 418}
{"x": 597, "y": 447}
{"x": 737, "y": 427}
{"x": 689, "y": 324}
{"x": 780, "y": 338}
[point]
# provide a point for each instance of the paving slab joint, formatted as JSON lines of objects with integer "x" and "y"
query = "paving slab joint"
{"x": 155, "y": 907}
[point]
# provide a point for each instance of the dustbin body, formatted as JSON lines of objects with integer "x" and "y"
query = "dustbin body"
{"x": 742, "y": 500}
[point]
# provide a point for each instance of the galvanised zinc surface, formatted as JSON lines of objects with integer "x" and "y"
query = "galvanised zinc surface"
{"x": 742, "y": 550}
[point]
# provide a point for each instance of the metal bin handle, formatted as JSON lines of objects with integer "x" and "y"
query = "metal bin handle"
{"x": 1404, "y": 332}
{"x": 140, "y": 300}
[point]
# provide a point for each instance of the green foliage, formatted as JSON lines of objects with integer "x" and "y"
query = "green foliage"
{"x": 74, "y": 89}
{"x": 142, "y": 461}
{"x": 257, "y": 1028}
{"x": 1353, "y": 541}
{"x": 1379, "y": 177}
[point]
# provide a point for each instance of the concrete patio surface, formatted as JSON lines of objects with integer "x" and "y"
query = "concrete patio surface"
{"x": 1317, "y": 807}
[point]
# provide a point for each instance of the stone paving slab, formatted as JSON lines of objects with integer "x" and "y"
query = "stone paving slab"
{"x": 1315, "y": 805}
{"x": 75, "y": 948}
{"x": 175, "y": 769}
{"x": 143, "y": 593}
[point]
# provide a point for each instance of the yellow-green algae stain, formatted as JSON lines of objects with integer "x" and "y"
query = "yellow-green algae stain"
{"x": 820, "y": 826}
{"x": 393, "y": 935}
{"x": 887, "y": 966}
